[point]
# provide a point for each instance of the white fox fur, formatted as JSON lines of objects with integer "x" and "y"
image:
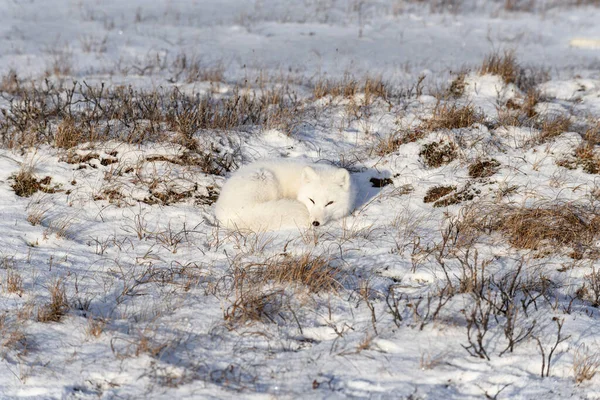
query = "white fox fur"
{"x": 279, "y": 194}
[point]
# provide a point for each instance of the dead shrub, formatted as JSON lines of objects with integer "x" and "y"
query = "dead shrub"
{"x": 483, "y": 168}
{"x": 58, "y": 305}
{"x": 436, "y": 154}
{"x": 452, "y": 116}
{"x": 437, "y": 192}
{"x": 64, "y": 116}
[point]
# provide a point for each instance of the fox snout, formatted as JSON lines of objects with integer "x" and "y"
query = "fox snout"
{"x": 316, "y": 223}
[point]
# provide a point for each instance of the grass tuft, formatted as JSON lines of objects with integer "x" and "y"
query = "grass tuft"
{"x": 58, "y": 305}
{"x": 452, "y": 116}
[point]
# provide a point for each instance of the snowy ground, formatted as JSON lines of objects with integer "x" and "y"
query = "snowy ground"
{"x": 115, "y": 281}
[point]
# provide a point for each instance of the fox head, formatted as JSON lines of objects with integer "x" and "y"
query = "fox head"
{"x": 325, "y": 193}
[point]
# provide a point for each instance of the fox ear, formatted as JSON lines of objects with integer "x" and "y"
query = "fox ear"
{"x": 342, "y": 177}
{"x": 309, "y": 175}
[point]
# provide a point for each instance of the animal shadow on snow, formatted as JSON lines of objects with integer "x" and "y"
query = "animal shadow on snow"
{"x": 368, "y": 183}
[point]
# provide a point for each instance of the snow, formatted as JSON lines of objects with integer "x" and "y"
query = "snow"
{"x": 155, "y": 277}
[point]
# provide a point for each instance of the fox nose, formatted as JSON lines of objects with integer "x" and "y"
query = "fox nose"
{"x": 316, "y": 223}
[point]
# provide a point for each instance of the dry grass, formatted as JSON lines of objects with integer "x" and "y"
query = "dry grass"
{"x": 36, "y": 213}
{"x": 558, "y": 225}
{"x": 192, "y": 69}
{"x": 585, "y": 364}
{"x": 506, "y": 66}
{"x": 452, "y": 116}
{"x": 543, "y": 226}
{"x": 586, "y": 155}
{"x": 58, "y": 305}
{"x": 261, "y": 289}
{"x": 392, "y": 143}
{"x": 503, "y": 65}
{"x": 551, "y": 127}
{"x": 95, "y": 327}
{"x": 436, "y": 154}
{"x": 13, "y": 282}
{"x": 254, "y": 305}
{"x": 349, "y": 87}
{"x": 590, "y": 290}
{"x": 12, "y": 337}
{"x": 519, "y": 5}
{"x": 10, "y": 82}
{"x": 304, "y": 271}
{"x": 68, "y": 134}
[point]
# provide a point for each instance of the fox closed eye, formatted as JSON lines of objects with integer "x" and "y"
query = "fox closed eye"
{"x": 311, "y": 200}
{"x": 328, "y": 204}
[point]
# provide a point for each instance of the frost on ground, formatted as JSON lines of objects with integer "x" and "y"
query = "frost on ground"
{"x": 467, "y": 270}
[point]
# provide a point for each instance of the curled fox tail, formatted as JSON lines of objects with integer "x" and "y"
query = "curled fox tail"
{"x": 270, "y": 215}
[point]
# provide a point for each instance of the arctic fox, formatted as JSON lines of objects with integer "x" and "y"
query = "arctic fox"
{"x": 278, "y": 194}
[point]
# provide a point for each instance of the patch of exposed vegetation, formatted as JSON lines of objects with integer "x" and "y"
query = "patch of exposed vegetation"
{"x": 25, "y": 184}
{"x": 467, "y": 193}
{"x": 483, "y": 168}
{"x": 436, "y": 154}
{"x": 458, "y": 85}
{"x": 437, "y": 192}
